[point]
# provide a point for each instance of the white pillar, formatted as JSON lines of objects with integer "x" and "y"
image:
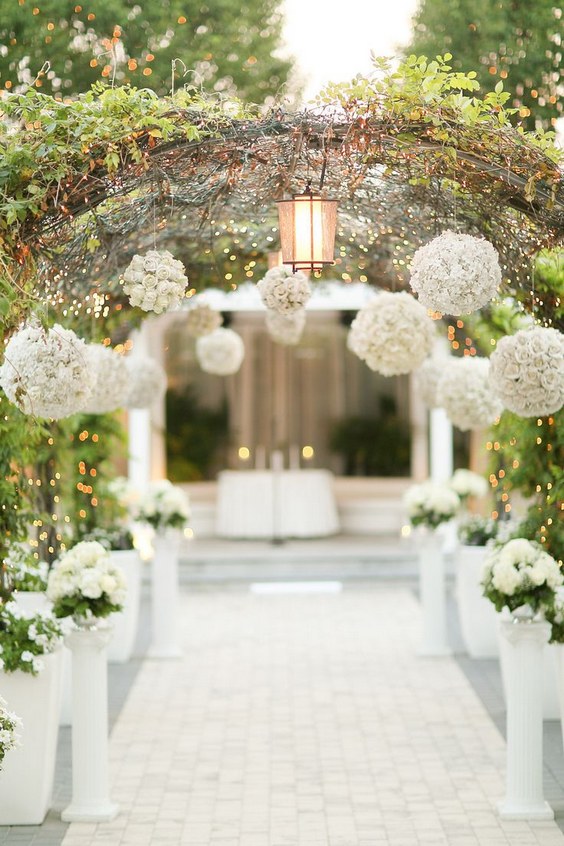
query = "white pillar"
{"x": 432, "y": 592}
{"x": 524, "y": 791}
{"x": 419, "y": 433}
{"x": 440, "y": 445}
{"x": 139, "y": 463}
{"x": 90, "y": 783}
{"x": 164, "y": 595}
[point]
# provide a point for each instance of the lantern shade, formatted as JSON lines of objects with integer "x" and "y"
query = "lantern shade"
{"x": 307, "y": 231}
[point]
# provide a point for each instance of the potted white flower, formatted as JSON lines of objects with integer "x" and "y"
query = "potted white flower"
{"x": 478, "y": 618}
{"x": 30, "y": 679}
{"x": 29, "y": 578}
{"x": 468, "y": 484}
{"x": 10, "y": 725}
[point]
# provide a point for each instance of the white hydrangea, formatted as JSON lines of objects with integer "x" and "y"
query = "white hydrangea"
{"x": 155, "y": 282}
{"x": 527, "y": 371}
{"x": 146, "y": 381}
{"x": 221, "y": 352}
{"x": 86, "y": 572}
{"x": 392, "y": 333}
{"x": 285, "y": 328}
{"x": 467, "y": 483}
{"x": 427, "y": 378}
{"x": 284, "y": 291}
{"x": 430, "y": 503}
{"x": 163, "y": 505}
{"x": 46, "y": 372}
{"x": 110, "y": 380}
{"x": 10, "y": 726}
{"x": 201, "y": 319}
{"x": 520, "y": 566}
{"x": 465, "y": 393}
{"x": 455, "y": 274}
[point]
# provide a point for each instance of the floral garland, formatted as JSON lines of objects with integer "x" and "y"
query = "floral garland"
{"x": 85, "y": 583}
{"x": 467, "y": 483}
{"x": 201, "y": 319}
{"x": 521, "y": 573}
{"x": 111, "y": 380}
{"x": 26, "y": 638}
{"x": 527, "y": 371}
{"x": 430, "y": 504}
{"x": 46, "y": 372}
{"x": 427, "y": 378}
{"x": 383, "y": 333}
{"x": 465, "y": 393}
{"x": 285, "y": 329}
{"x": 284, "y": 291}
{"x": 155, "y": 282}
{"x": 146, "y": 382}
{"x": 10, "y": 726}
{"x": 27, "y": 574}
{"x": 164, "y": 506}
{"x": 455, "y": 274}
{"x": 221, "y": 352}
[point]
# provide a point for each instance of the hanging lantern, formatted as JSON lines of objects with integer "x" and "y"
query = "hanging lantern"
{"x": 307, "y": 230}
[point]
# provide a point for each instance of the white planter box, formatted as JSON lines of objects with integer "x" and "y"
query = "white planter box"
{"x": 125, "y": 622}
{"x": 477, "y": 615}
{"x": 26, "y": 781}
{"x": 32, "y": 601}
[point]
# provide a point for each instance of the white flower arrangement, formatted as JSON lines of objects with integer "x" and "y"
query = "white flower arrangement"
{"x": 155, "y": 282}
{"x": 455, "y": 274}
{"x": 527, "y": 371}
{"x": 521, "y": 573}
{"x": 427, "y": 378}
{"x": 126, "y": 494}
{"x": 26, "y": 572}
{"x": 46, "y": 372}
{"x": 285, "y": 329}
{"x": 284, "y": 291}
{"x": 146, "y": 381}
{"x": 85, "y": 583}
{"x": 465, "y": 393}
{"x": 430, "y": 504}
{"x": 201, "y": 319}
{"x": 467, "y": 483}
{"x": 26, "y": 638}
{"x": 10, "y": 726}
{"x": 111, "y": 380}
{"x": 392, "y": 333}
{"x": 221, "y": 352}
{"x": 164, "y": 506}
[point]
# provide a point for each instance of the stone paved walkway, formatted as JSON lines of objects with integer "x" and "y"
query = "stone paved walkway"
{"x": 306, "y": 720}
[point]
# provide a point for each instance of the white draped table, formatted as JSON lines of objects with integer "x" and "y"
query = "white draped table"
{"x": 276, "y": 504}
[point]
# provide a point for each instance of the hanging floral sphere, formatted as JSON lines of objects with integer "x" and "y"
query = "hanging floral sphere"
{"x": 464, "y": 392}
{"x": 46, "y": 372}
{"x": 392, "y": 334}
{"x": 527, "y": 371}
{"x": 155, "y": 282}
{"x": 221, "y": 352}
{"x": 111, "y": 380}
{"x": 428, "y": 377}
{"x": 146, "y": 381}
{"x": 455, "y": 274}
{"x": 284, "y": 291}
{"x": 201, "y": 319}
{"x": 285, "y": 329}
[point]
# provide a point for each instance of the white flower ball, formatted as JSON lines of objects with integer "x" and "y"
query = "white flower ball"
{"x": 464, "y": 392}
{"x": 427, "y": 378}
{"x": 455, "y": 274}
{"x": 111, "y": 380}
{"x": 392, "y": 333}
{"x": 284, "y": 291}
{"x": 46, "y": 372}
{"x": 155, "y": 282}
{"x": 286, "y": 329}
{"x": 527, "y": 371}
{"x": 201, "y": 319}
{"x": 221, "y": 352}
{"x": 146, "y": 381}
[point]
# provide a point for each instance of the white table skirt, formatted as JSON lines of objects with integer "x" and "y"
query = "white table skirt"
{"x": 267, "y": 504}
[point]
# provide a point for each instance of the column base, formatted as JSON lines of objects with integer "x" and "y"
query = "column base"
{"x": 157, "y": 651}
{"x": 430, "y": 651}
{"x": 90, "y": 813}
{"x": 515, "y": 811}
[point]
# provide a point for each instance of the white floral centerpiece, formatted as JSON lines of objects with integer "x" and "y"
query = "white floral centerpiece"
{"x": 26, "y": 638}
{"x": 85, "y": 583}
{"x": 555, "y": 616}
{"x": 46, "y": 372}
{"x": 466, "y": 483}
{"x": 26, "y": 572}
{"x": 221, "y": 352}
{"x": 429, "y": 504}
{"x": 146, "y": 381}
{"x": 392, "y": 333}
{"x": 155, "y": 282}
{"x": 455, "y": 274}
{"x": 520, "y": 573}
{"x": 285, "y": 329}
{"x": 284, "y": 291}
{"x": 527, "y": 371}
{"x": 201, "y": 319}
{"x": 10, "y": 726}
{"x": 111, "y": 380}
{"x": 465, "y": 393}
{"x": 427, "y": 378}
{"x": 164, "y": 506}
{"x": 476, "y": 530}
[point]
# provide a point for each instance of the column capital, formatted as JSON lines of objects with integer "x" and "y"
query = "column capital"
{"x": 520, "y": 631}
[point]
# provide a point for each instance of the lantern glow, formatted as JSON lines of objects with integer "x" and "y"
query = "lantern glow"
{"x": 307, "y": 230}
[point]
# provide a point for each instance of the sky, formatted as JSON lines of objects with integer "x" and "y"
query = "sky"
{"x": 332, "y": 41}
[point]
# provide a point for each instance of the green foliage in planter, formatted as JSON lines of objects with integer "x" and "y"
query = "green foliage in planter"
{"x": 194, "y": 436}
{"x": 373, "y": 446}
{"x": 25, "y": 639}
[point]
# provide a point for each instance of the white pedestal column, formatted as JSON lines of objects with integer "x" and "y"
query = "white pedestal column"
{"x": 164, "y": 595}
{"x": 139, "y": 463}
{"x": 90, "y": 783}
{"x": 440, "y": 445}
{"x": 524, "y": 792}
{"x": 432, "y": 591}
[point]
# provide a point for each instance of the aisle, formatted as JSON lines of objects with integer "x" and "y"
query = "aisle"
{"x": 306, "y": 720}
